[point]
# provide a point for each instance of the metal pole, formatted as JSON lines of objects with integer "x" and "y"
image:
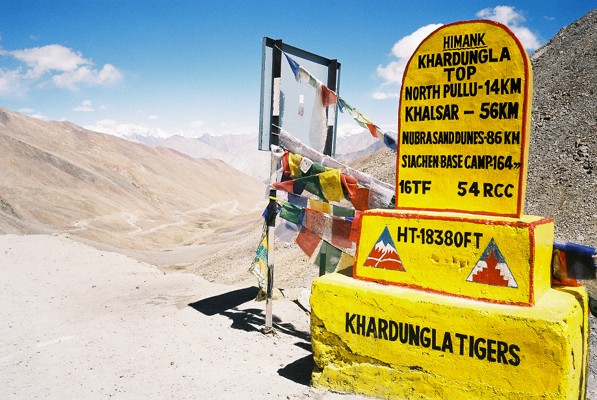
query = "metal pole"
{"x": 329, "y": 148}
{"x": 271, "y": 223}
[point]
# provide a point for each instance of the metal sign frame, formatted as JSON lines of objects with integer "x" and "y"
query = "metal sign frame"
{"x": 272, "y": 109}
{"x": 273, "y": 105}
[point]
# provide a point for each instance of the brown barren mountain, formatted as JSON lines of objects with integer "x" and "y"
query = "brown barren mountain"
{"x": 60, "y": 178}
{"x": 562, "y": 180}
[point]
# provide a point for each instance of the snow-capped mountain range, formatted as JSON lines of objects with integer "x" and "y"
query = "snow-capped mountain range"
{"x": 240, "y": 150}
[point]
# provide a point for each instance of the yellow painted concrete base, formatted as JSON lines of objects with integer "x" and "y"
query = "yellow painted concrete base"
{"x": 401, "y": 343}
{"x": 496, "y": 259}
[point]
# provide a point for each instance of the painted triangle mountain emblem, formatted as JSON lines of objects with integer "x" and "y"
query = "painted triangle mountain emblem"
{"x": 384, "y": 254}
{"x": 492, "y": 269}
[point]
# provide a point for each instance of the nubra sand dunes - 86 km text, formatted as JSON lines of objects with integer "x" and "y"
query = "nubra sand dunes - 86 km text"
{"x": 124, "y": 265}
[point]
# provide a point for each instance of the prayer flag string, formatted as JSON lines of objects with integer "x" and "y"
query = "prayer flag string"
{"x": 259, "y": 267}
{"x": 303, "y": 168}
{"x": 330, "y": 97}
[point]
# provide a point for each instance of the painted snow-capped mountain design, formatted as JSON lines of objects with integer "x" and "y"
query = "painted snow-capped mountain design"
{"x": 492, "y": 269}
{"x": 384, "y": 254}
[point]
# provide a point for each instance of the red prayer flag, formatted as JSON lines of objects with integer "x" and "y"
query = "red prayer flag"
{"x": 287, "y": 186}
{"x": 350, "y": 185}
{"x": 372, "y": 129}
{"x": 341, "y": 229}
{"x": 315, "y": 221}
{"x": 355, "y": 229}
{"x": 328, "y": 97}
{"x": 285, "y": 164}
{"x": 307, "y": 241}
{"x": 361, "y": 200}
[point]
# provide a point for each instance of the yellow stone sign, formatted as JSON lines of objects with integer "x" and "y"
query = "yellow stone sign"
{"x": 400, "y": 343}
{"x": 464, "y": 121}
{"x": 496, "y": 259}
{"x": 465, "y": 308}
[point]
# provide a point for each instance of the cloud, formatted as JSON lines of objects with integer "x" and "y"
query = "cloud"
{"x": 12, "y": 83}
{"x": 39, "y": 116}
{"x": 42, "y": 60}
{"x": 33, "y": 113}
{"x": 404, "y": 48}
{"x": 152, "y": 117}
{"x": 383, "y": 95}
{"x": 57, "y": 65}
{"x": 85, "y": 75}
{"x": 514, "y": 20}
{"x": 402, "y": 51}
{"x": 196, "y": 124}
{"x": 85, "y": 106}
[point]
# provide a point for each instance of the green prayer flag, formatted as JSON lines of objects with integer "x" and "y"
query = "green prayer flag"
{"x": 291, "y": 212}
{"x": 328, "y": 258}
{"x": 340, "y": 211}
{"x": 315, "y": 170}
{"x": 312, "y": 185}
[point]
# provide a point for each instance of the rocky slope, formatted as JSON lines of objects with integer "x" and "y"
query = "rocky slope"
{"x": 562, "y": 180}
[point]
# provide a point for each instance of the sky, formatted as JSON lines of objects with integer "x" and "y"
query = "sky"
{"x": 194, "y": 67}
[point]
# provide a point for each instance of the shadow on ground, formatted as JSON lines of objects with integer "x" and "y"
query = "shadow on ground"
{"x": 251, "y": 319}
{"x": 299, "y": 371}
{"x": 225, "y": 301}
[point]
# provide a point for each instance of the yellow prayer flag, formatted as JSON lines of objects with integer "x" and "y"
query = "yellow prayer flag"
{"x": 294, "y": 162}
{"x": 259, "y": 267}
{"x": 331, "y": 185}
{"x": 320, "y": 206}
{"x": 346, "y": 261}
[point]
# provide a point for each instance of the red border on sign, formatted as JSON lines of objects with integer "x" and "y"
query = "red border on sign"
{"x": 525, "y": 128}
{"x": 530, "y": 225}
